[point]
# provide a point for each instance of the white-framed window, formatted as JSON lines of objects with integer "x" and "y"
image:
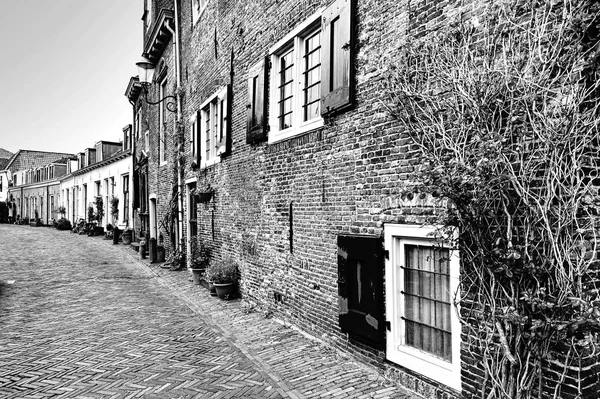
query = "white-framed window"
{"x": 421, "y": 288}
{"x": 162, "y": 121}
{"x": 194, "y": 135}
{"x": 295, "y": 93}
{"x": 198, "y": 7}
{"x": 213, "y": 128}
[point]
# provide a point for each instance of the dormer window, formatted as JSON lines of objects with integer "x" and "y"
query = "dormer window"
{"x": 148, "y": 14}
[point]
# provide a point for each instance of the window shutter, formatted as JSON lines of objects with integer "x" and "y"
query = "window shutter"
{"x": 256, "y": 108}
{"x": 198, "y": 140}
{"x": 136, "y": 189}
{"x": 360, "y": 288}
{"x": 338, "y": 49}
{"x": 224, "y": 104}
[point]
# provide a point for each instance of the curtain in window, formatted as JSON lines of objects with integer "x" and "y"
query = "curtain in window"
{"x": 427, "y": 299}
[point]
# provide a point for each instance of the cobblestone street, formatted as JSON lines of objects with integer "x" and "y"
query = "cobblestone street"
{"x": 81, "y": 318}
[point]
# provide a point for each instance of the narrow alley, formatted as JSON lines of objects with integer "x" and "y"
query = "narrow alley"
{"x": 81, "y": 318}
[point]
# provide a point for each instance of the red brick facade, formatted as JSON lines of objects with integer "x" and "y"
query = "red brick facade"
{"x": 279, "y": 208}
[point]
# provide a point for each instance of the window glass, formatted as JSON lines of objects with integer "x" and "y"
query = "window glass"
{"x": 427, "y": 300}
{"x": 312, "y": 77}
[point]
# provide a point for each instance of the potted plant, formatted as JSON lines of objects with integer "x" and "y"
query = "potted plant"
{"x": 98, "y": 216}
{"x": 126, "y": 236}
{"x": 114, "y": 209}
{"x": 224, "y": 275}
{"x": 203, "y": 192}
{"x": 63, "y": 224}
{"x": 36, "y": 221}
{"x": 200, "y": 258}
{"x": 62, "y": 211}
{"x": 109, "y": 232}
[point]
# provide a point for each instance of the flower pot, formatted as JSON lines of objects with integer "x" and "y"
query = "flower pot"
{"x": 212, "y": 289}
{"x": 204, "y": 196}
{"x": 160, "y": 253}
{"x": 126, "y": 237}
{"x": 225, "y": 291}
{"x": 197, "y": 275}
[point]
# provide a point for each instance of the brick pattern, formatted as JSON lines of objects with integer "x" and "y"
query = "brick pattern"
{"x": 103, "y": 324}
{"x": 353, "y": 175}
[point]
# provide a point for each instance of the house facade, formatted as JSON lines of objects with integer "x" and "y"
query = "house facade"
{"x": 101, "y": 172}
{"x": 34, "y": 180}
{"x": 275, "y": 109}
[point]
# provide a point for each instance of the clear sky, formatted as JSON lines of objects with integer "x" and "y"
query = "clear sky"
{"x": 64, "y": 69}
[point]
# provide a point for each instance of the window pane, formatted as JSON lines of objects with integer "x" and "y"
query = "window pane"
{"x": 427, "y": 299}
{"x": 286, "y": 89}
{"x": 312, "y": 76}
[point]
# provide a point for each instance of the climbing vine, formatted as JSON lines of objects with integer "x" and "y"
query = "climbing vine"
{"x": 502, "y": 109}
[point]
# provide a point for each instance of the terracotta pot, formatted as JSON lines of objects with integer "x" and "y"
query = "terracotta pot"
{"x": 197, "y": 275}
{"x": 126, "y": 237}
{"x": 225, "y": 291}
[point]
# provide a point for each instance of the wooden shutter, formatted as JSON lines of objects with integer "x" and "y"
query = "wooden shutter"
{"x": 136, "y": 189}
{"x": 224, "y": 112}
{"x": 198, "y": 140}
{"x": 360, "y": 288}
{"x": 256, "y": 108}
{"x": 338, "y": 48}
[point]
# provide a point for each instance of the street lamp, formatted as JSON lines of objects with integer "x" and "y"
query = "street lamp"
{"x": 146, "y": 73}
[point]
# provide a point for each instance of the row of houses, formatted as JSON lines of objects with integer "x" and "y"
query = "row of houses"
{"x": 39, "y": 183}
{"x": 258, "y": 133}
{"x": 272, "y": 110}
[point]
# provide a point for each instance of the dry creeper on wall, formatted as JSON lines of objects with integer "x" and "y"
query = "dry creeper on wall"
{"x": 503, "y": 111}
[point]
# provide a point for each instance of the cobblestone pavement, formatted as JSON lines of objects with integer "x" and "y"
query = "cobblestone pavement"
{"x": 81, "y": 318}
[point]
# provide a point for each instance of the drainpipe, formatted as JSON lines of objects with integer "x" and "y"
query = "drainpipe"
{"x": 132, "y": 148}
{"x": 177, "y": 125}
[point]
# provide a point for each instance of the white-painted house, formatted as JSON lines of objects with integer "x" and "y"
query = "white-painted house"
{"x": 103, "y": 171}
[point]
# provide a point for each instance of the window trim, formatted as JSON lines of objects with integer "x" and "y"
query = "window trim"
{"x": 162, "y": 123}
{"x": 447, "y": 373}
{"x": 198, "y": 9}
{"x": 294, "y": 39}
{"x": 193, "y": 135}
{"x": 213, "y": 101}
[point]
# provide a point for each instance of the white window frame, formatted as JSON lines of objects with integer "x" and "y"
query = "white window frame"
{"x": 296, "y": 40}
{"x": 193, "y": 134}
{"x": 198, "y": 7}
{"x": 444, "y": 372}
{"x": 211, "y": 107}
{"x": 162, "y": 120}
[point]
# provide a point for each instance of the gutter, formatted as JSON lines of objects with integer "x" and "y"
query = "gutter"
{"x": 177, "y": 125}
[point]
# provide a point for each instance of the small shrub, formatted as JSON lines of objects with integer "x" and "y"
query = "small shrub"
{"x": 90, "y": 214}
{"x": 63, "y": 224}
{"x": 223, "y": 271}
{"x": 200, "y": 254}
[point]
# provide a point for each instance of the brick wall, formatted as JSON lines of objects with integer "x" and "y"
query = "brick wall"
{"x": 347, "y": 177}
{"x": 352, "y": 176}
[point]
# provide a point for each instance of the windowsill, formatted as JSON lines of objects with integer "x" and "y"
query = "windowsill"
{"x": 210, "y": 162}
{"x": 429, "y": 366}
{"x": 293, "y": 132}
{"x": 164, "y": 163}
